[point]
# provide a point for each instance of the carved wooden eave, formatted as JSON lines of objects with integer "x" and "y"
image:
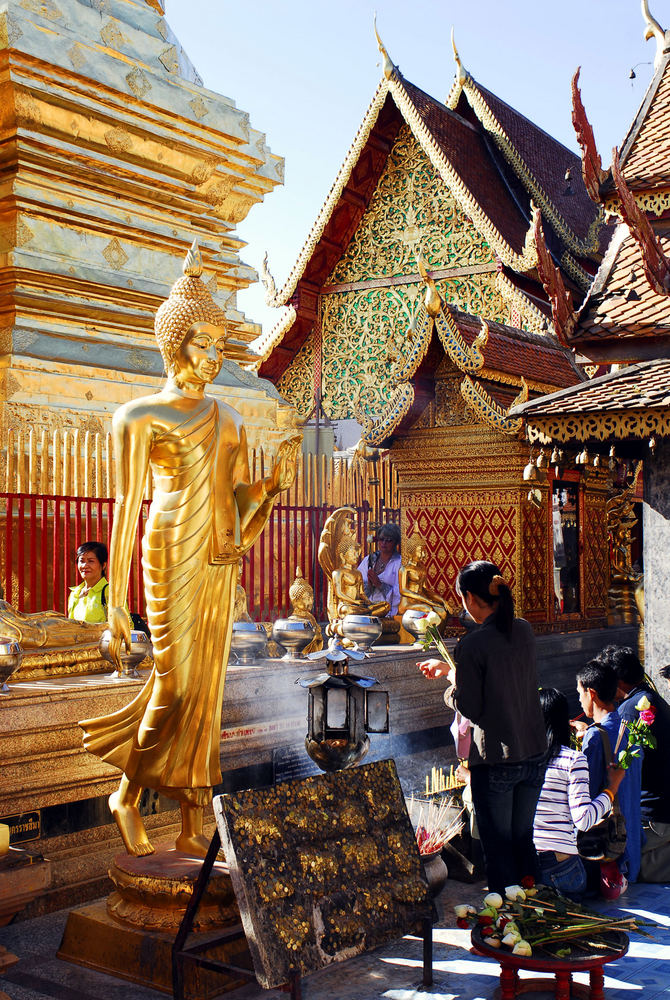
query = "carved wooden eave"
{"x": 264, "y": 345}
{"x": 560, "y": 298}
{"x": 655, "y": 263}
{"x": 488, "y": 411}
{"x": 592, "y": 167}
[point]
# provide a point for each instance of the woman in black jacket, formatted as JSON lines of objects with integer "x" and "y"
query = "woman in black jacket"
{"x": 495, "y": 687}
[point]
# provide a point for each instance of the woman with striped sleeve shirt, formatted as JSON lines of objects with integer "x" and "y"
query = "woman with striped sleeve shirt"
{"x": 565, "y": 804}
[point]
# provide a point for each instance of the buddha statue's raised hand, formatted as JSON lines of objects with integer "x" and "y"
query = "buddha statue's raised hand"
{"x": 284, "y": 469}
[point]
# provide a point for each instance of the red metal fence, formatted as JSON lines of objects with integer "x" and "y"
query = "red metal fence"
{"x": 39, "y": 534}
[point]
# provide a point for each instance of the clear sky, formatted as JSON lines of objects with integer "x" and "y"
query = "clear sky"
{"x": 306, "y": 70}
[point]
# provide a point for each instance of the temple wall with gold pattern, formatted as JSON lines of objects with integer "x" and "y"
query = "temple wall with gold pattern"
{"x": 115, "y": 156}
{"x": 374, "y": 292}
{"x": 461, "y": 488}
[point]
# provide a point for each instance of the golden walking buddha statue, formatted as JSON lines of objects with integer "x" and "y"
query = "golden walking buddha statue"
{"x": 204, "y": 516}
{"x": 414, "y": 591}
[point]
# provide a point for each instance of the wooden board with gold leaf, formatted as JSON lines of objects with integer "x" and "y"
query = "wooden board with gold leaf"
{"x": 323, "y": 868}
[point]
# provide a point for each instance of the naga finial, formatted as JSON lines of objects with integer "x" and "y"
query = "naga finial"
{"x": 387, "y": 64}
{"x": 457, "y": 59}
{"x": 193, "y": 261}
{"x": 268, "y": 282}
{"x": 653, "y": 30}
{"x": 432, "y": 300}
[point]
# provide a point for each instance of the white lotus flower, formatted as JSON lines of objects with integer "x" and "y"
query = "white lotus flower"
{"x": 643, "y": 704}
{"x": 493, "y": 899}
{"x": 463, "y": 910}
{"x": 432, "y": 618}
{"x": 515, "y": 893}
{"x": 511, "y": 938}
{"x": 421, "y": 624}
{"x": 492, "y": 942}
{"x": 522, "y": 948}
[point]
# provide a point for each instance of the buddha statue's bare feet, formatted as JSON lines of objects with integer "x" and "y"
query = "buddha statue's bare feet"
{"x": 131, "y": 827}
{"x": 195, "y": 845}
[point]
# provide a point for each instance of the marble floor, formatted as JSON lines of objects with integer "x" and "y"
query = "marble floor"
{"x": 389, "y": 973}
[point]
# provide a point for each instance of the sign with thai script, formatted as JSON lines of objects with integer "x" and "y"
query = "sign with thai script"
{"x": 24, "y": 827}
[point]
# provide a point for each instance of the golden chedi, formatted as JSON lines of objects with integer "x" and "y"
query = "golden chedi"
{"x": 415, "y": 594}
{"x": 205, "y": 515}
{"x": 301, "y": 596}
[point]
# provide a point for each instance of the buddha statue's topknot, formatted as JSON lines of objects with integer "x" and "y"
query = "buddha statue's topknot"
{"x": 189, "y": 302}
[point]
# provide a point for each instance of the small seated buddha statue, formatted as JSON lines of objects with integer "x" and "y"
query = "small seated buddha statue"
{"x": 301, "y": 596}
{"x": 415, "y": 593}
{"x": 348, "y": 585}
{"x": 339, "y": 556}
{"x": 240, "y": 610}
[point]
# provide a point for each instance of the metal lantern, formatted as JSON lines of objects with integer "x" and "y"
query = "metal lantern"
{"x": 342, "y": 710}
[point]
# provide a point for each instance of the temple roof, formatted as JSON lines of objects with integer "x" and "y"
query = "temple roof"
{"x": 626, "y": 314}
{"x": 493, "y": 161}
{"x": 516, "y": 353}
{"x": 629, "y": 402}
{"x": 644, "y": 152}
{"x": 622, "y": 305}
{"x": 541, "y": 164}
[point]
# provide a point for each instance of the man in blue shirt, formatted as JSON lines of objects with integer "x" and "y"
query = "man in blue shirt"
{"x": 632, "y": 686}
{"x": 597, "y": 687}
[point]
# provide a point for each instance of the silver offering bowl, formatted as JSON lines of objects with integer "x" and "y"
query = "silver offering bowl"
{"x": 409, "y": 622}
{"x": 140, "y": 647}
{"x": 11, "y": 655}
{"x": 364, "y": 630}
{"x": 249, "y": 642}
{"x": 293, "y": 636}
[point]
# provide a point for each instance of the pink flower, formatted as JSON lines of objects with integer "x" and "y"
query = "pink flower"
{"x": 647, "y": 716}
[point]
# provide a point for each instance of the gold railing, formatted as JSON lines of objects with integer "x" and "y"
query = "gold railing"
{"x": 79, "y": 463}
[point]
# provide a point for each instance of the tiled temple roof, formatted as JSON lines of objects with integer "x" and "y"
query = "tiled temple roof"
{"x": 541, "y": 163}
{"x": 632, "y": 402}
{"x": 481, "y": 179}
{"x": 514, "y": 352}
{"x": 621, "y": 303}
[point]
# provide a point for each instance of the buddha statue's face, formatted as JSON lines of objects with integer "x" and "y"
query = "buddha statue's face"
{"x": 200, "y": 355}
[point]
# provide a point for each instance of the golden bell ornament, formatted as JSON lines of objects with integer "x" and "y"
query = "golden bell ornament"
{"x": 530, "y": 472}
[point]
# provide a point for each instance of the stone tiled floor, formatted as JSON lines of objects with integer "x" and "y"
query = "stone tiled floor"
{"x": 390, "y": 973}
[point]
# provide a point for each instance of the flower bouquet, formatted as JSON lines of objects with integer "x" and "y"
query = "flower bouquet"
{"x": 428, "y": 628}
{"x": 639, "y": 734}
{"x": 539, "y": 920}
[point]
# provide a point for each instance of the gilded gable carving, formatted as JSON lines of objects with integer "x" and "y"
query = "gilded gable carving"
{"x": 410, "y": 207}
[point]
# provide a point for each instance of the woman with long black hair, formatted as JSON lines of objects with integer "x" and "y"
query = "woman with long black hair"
{"x": 565, "y": 804}
{"x": 495, "y": 687}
